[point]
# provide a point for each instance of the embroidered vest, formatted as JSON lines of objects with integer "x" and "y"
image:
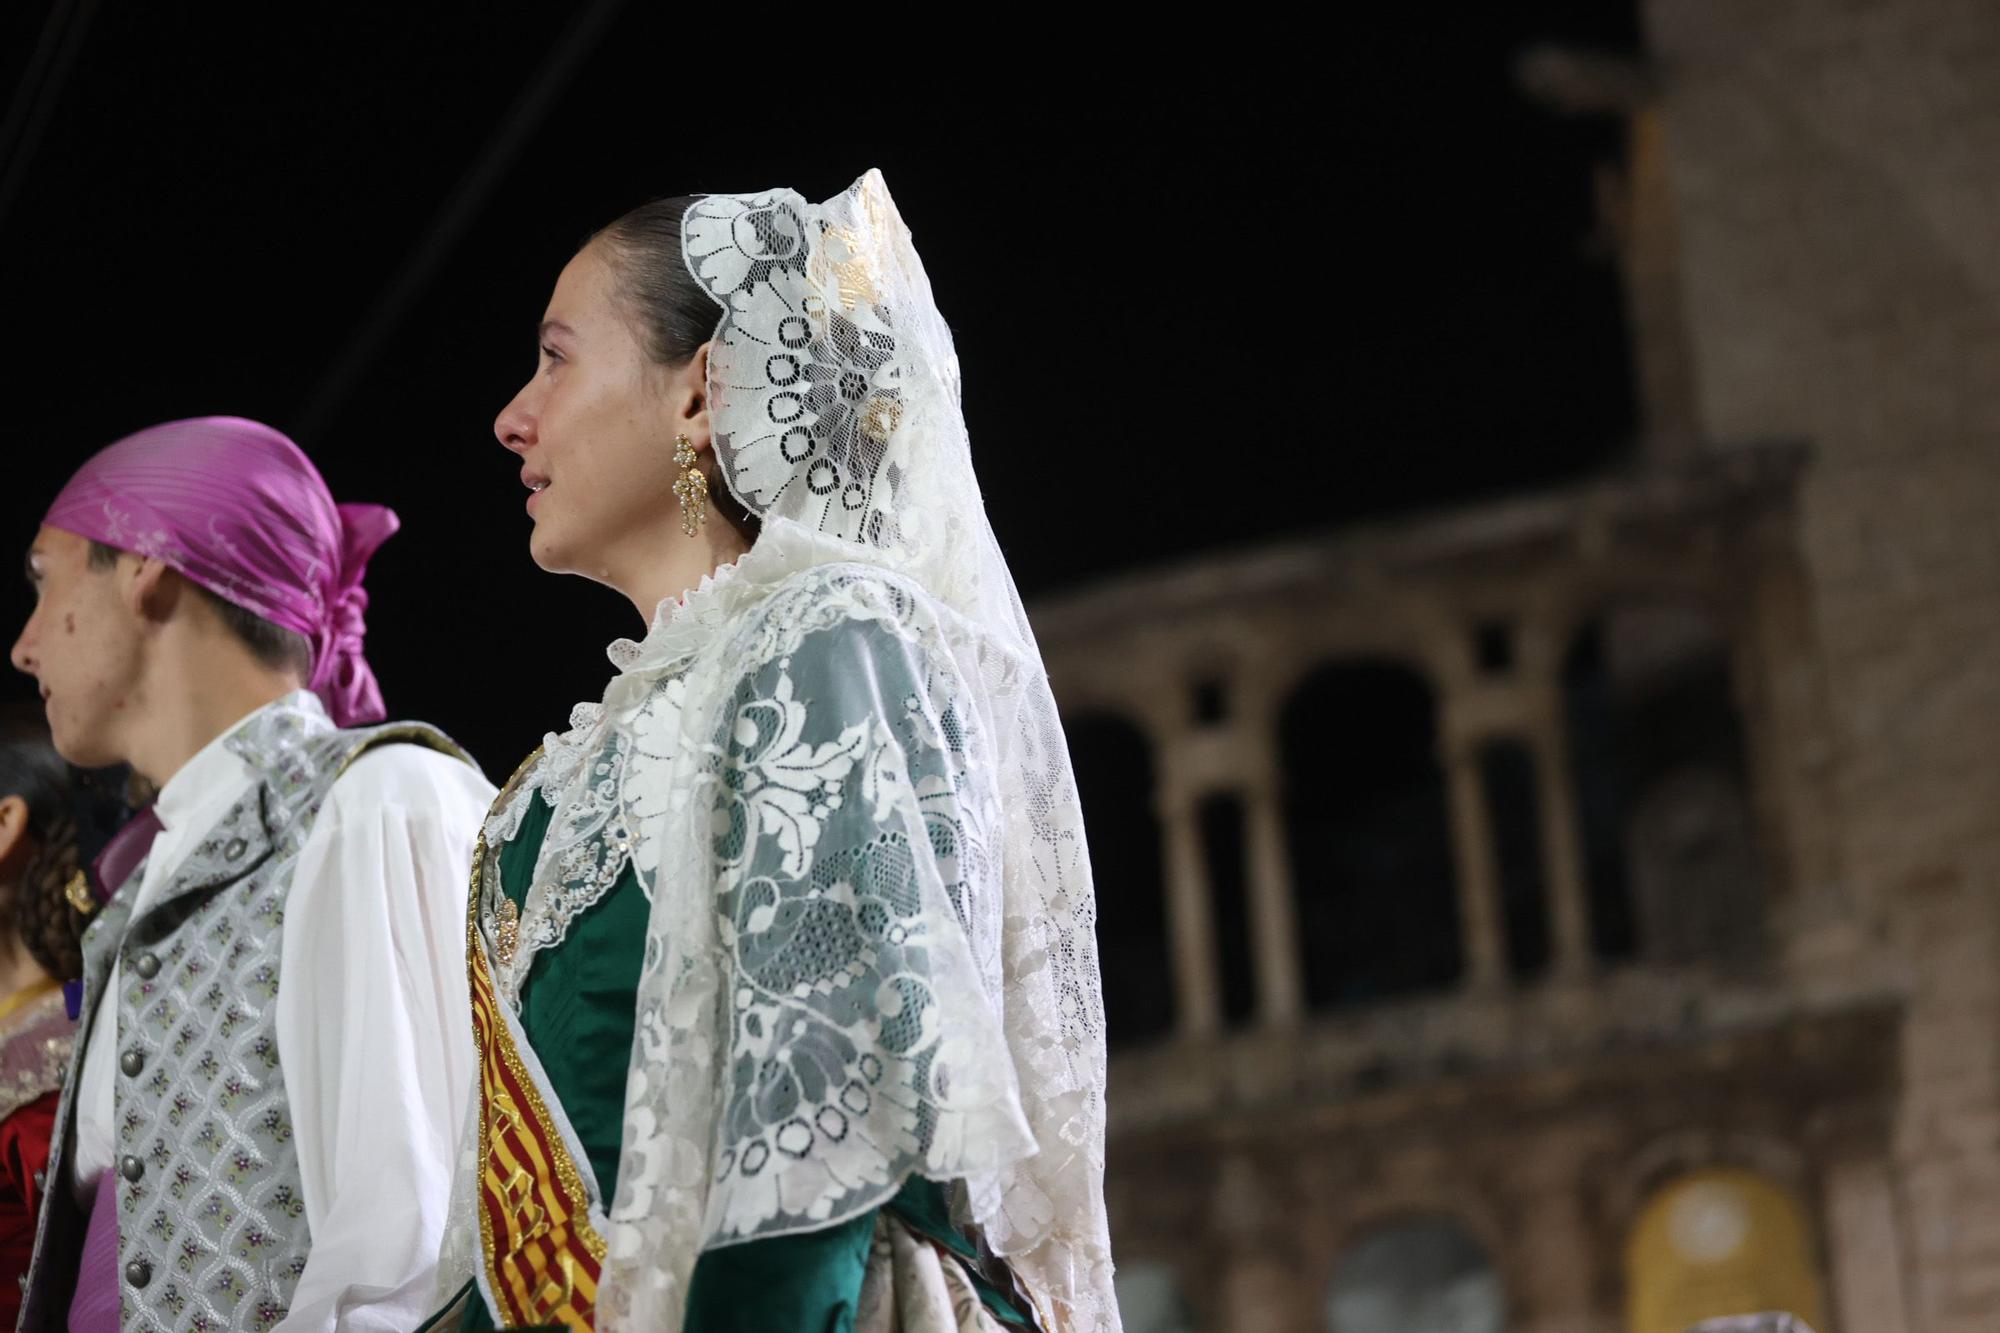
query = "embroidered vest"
{"x": 212, "y": 1229}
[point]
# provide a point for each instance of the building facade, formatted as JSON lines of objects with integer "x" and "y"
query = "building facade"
{"x": 1582, "y": 913}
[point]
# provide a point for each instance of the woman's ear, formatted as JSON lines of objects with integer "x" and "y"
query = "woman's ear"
{"x": 692, "y": 380}
{"x": 15, "y": 844}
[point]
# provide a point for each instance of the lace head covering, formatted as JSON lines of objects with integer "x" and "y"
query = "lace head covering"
{"x": 834, "y": 390}
{"x": 835, "y": 403}
{"x": 238, "y": 508}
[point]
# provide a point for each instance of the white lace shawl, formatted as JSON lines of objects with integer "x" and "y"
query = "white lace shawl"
{"x": 871, "y": 947}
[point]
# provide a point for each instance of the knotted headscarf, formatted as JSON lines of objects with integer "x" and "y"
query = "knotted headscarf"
{"x": 238, "y": 508}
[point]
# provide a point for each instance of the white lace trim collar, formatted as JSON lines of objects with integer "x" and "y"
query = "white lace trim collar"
{"x": 679, "y": 628}
{"x": 626, "y": 654}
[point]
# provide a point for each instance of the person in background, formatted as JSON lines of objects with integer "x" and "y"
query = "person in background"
{"x": 51, "y": 818}
{"x": 259, "y": 1124}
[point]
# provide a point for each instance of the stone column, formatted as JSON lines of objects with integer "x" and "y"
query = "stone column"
{"x": 1865, "y": 1249}
{"x": 1259, "y": 1291}
{"x": 1562, "y": 839}
{"x": 1190, "y": 920}
{"x": 1946, "y": 1152}
{"x": 1551, "y": 1278}
{"x": 1260, "y": 1287}
{"x": 1793, "y": 751}
{"x": 1478, "y": 868}
{"x": 1274, "y": 923}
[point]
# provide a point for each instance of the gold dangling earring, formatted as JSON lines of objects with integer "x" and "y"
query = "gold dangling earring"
{"x": 692, "y": 488}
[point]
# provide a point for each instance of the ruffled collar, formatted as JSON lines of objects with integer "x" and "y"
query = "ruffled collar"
{"x": 682, "y": 625}
{"x": 695, "y": 604}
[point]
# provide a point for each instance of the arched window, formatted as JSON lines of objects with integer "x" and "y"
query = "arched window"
{"x": 1720, "y": 1242}
{"x": 1423, "y": 1276}
{"x": 1369, "y": 835}
{"x": 1694, "y": 866}
{"x": 1114, "y": 779}
{"x": 1658, "y": 757}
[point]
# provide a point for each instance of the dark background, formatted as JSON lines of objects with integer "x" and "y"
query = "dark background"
{"x": 1203, "y": 296}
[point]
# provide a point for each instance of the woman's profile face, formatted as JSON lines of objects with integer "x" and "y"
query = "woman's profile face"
{"x": 594, "y": 428}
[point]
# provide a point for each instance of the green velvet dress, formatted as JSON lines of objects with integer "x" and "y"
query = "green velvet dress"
{"x": 577, "y": 1012}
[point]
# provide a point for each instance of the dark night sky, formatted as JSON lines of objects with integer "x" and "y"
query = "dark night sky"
{"x": 1203, "y": 298}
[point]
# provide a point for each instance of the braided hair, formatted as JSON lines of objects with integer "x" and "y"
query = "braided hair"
{"x": 71, "y": 812}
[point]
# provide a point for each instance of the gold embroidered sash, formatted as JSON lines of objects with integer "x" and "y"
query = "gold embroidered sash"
{"x": 542, "y": 1257}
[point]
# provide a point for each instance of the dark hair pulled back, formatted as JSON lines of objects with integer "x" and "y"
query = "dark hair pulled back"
{"x": 672, "y": 311}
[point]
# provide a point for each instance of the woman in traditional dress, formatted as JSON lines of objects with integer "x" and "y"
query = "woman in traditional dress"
{"x": 47, "y": 811}
{"x": 782, "y": 956}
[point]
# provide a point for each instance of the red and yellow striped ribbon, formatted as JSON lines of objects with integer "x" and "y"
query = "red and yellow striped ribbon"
{"x": 543, "y": 1258}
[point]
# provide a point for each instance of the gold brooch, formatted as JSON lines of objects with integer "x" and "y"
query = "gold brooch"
{"x": 79, "y": 895}
{"x": 509, "y": 932}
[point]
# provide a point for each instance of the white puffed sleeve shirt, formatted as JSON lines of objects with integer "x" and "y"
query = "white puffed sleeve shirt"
{"x": 373, "y": 1020}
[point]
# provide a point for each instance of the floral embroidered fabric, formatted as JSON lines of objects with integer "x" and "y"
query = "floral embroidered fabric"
{"x": 35, "y": 1044}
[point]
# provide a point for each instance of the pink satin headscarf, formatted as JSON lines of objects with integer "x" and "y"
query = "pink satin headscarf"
{"x": 238, "y": 508}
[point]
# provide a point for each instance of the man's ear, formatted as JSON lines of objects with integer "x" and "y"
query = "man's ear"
{"x": 151, "y": 590}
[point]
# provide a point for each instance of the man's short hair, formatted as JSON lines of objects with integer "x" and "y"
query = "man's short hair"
{"x": 272, "y": 645}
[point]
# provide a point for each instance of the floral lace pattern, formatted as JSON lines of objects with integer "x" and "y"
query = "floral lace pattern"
{"x": 826, "y": 371}
{"x": 850, "y": 803}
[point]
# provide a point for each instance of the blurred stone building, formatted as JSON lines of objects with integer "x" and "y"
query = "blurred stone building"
{"x": 1582, "y": 913}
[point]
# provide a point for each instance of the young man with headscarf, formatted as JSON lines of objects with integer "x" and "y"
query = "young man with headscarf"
{"x": 258, "y": 1129}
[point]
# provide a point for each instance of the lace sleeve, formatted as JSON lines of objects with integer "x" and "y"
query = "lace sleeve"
{"x": 859, "y": 922}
